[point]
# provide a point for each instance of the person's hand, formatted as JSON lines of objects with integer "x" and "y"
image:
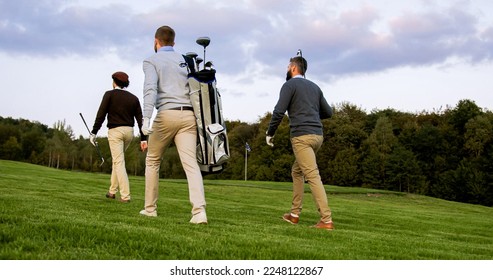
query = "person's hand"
{"x": 92, "y": 139}
{"x": 269, "y": 140}
{"x": 143, "y": 146}
{"x": 146, "y": 126}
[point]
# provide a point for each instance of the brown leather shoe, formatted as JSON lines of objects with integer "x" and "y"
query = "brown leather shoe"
{"x": 124, "y": 200}
{"x": 109, "y": 195}
{"x": 290, "y": 219}
{"x": 326, "y": 226}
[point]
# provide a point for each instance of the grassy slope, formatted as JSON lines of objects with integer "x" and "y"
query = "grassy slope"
{"x": 52, "y": 214}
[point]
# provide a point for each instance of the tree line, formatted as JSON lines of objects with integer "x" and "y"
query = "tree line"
{"x": 446, "y": 153}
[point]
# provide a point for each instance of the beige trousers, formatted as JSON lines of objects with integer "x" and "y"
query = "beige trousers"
{"x": 119, "y": 139}
{"x": 180, "y": 127}
{"x": 305, "y": 168}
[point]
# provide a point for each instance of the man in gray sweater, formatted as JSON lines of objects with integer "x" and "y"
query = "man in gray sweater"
{"x": 166, "y": 89}
{"x": 306, "y": 107}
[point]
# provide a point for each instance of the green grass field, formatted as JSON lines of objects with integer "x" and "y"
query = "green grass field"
{"x": 52, "y": 214}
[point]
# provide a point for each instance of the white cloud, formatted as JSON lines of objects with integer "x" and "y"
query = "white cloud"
{"x": 352, "y": 47}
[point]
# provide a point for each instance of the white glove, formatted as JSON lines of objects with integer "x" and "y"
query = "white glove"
{"x": 146, "y": 126}
{"x": 92, "y": 139}
{"x": 269, "y": 140}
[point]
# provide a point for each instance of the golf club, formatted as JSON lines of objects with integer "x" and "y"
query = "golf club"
{"x": 95, "y": 142}
{"x": 300, "y": 54}
{"x": 199, "y": 60}
{"x": 193, "y": 56}
{"x": 204, "y": 42}
{"x": 209, "y": 65}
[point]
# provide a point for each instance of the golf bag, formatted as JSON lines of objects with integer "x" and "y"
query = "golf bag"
{"x": 212, "y": 139}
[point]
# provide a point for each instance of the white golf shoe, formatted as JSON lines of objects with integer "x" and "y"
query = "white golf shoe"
{"x": 148, "y": 214}
{"x": 199, "y": 218}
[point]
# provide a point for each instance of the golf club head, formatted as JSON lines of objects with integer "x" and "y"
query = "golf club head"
{"x": 203, "y": 41}
{"x": 209, "y": 65}
{"x": 198, "y": 61}
{"x": 191, "y": 54}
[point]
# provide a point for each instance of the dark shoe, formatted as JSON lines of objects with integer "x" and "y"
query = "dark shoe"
{"x": 124, "y": 200}
{"x": 290, "y": 219}
{"x": 323, "y": 225}
{"x": 109, "y": 195}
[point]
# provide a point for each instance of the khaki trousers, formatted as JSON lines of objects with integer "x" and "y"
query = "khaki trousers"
{"x": 180, "y": 127}
{"x": 119, "y": 139}
{"x": 305, "y": 168}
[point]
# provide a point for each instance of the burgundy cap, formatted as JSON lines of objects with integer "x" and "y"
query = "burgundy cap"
{"x": 120, "y": 76}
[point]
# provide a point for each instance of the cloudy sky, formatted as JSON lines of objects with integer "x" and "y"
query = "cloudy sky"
{"x": 57, "y": 56}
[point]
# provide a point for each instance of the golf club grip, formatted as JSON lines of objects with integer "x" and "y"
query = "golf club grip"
{"x": 85, "y": 122}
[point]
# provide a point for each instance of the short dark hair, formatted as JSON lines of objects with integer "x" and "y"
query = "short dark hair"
{"x": 301, "y": 63}
{"x": 121, "y": 84}
{"x": 165, "y": 35}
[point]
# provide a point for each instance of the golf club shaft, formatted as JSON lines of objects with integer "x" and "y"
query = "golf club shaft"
{"x": 95, "y": 143}
{"x": 85, "y": 123}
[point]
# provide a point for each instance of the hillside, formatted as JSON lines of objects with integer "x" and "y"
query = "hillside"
{"x": 47, "y": 213}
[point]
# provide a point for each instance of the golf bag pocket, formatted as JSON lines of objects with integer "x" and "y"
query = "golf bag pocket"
{"x": 214, "y": 151}
{"x": 217, "y": 135}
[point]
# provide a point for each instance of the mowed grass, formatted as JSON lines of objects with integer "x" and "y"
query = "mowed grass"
{"x": 52, "y": 214}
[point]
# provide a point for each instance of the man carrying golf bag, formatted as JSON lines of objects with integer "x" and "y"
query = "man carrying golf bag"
{"x": 166, "y": 89}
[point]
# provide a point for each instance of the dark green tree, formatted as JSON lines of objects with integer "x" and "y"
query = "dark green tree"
{"x": 378, "y": 148}
{"x": 464, "y": 111}
{"x": 404, "y": 173}
{"x": 479, "y": 133}
{"x": 11, "y": 149}
{"x": 344, "y": 169}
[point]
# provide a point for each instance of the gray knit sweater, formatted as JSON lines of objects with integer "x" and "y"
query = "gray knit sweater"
{"x": 306, "y": 107}
{"x": 166, "y": 81}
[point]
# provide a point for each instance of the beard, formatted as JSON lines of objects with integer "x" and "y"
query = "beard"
{"x": 288, "y": 76}
{"x": 155, "y": 47}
